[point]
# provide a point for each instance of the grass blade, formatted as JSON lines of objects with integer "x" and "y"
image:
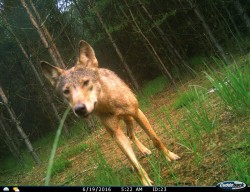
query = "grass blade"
{"x": 55, "y": 144}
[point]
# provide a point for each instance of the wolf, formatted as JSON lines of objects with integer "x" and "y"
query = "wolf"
{"x": 90, "y": 89}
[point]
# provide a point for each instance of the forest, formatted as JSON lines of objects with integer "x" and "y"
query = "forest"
{"x": 186, "y": 60}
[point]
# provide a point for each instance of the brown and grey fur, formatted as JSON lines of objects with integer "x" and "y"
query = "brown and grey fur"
{"x": 90, "y": 89}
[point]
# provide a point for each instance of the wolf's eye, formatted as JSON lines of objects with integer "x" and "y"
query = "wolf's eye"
{"x": 85, "y": 83}
{"x": 66, "y": 91}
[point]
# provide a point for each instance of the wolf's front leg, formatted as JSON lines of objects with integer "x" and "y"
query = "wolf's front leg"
{"x": 123, "y": 142}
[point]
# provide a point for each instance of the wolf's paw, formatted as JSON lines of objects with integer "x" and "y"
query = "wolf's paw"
{"x": 171, "y": 156}
{"x": 147, "y": 182}
{"x": 146, "y": 152}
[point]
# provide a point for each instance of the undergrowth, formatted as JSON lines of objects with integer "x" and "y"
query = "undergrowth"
{"x": 151, "y": 88}
{"x": 232, "y": 85}
{"x": 63, "y": 161}
{"x": 184, "y": 99}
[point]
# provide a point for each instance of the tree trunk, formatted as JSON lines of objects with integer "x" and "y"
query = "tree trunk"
{"x": 163, "y": 35}
{"x": 37, "y": 75}
{"x": 160, "y": 41}
{"x": 214, "y": 7}
{"x": 48, "y": 37}
{"x": 19, "y": 128}
{"x": 243, "y": 14}
{"x": 171, "y": 48}
{"x": 165, "y": 70}
{"x": 130, "y": 74}
{"x": 85, "y": 23}
{"x": 42, "y": 35}
{"x": 146, "y": 45}
{"x": 11, "y": 144}
{"x": 209, "y": 32}
{"x": 232, "y": 21}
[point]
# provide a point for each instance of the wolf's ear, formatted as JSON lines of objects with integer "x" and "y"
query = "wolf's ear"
{"x": 87, "y": 55}
{"x": 51, "y": 72}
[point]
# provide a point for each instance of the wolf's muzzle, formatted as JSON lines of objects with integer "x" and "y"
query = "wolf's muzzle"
{"x": 80, "y": 110}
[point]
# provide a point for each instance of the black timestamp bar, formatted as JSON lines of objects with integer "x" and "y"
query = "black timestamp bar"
{"x": 107, "y": 189}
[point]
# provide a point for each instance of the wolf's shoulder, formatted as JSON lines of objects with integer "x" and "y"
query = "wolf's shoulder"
{"x": 108, "y": 74}
{"x": 112, "y": 79}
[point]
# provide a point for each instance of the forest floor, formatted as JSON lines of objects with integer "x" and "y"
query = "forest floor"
{"x": 213, "y": 144}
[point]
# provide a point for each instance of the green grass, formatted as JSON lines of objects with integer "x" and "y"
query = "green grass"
{"x": 105, "y": 174}
{"x": 42, "y": 147}
{"x": 184, "y": 99}
{"x": 238, "y": 156}
{"x": 155, "y": 86}
{"x": 81, "y": 128}
{"x": 239, "y": 164}
{"x": 232, "y": 85}
{"x": 122, "y": 174}
{"x": 151, "y": 88}
{"x": 54, "y": 147}
{"x": 198, "y": 123}
{"x": 9, "y": 164}
{"x": 197, "y": 115}
{"x": 156, "y": 164}
{"x": 72, "y": 151}
{"x": 156, "y": 167}
{"x": 60, "y": 165}
{"x": 197, "y": 61}
{"x": 195, "y": 122}
{"x": 62, "y": 162}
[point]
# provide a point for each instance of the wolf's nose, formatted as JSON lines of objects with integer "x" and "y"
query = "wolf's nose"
{"x": 80, "y": 109}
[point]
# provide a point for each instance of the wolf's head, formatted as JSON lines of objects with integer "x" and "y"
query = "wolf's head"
{"x": 79, "y": 84}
